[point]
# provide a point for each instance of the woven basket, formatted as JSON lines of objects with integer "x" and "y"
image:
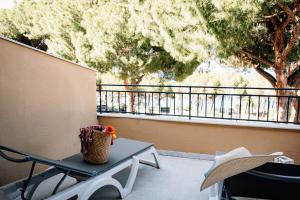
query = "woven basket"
{"x": 98, "y": 152}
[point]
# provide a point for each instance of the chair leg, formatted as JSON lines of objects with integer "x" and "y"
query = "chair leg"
{"x": 111, "y": 181}
{"x": 215, "y": 191}
{"x": 90, "y": 189}
{"x": 131, "y": 178}
{"x": 156, "y": 163}
{"x": 155, "y": 155}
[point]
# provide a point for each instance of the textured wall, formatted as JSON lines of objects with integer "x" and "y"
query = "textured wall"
{"x": 43, "y": 103}
{"x": 207, "y": 138}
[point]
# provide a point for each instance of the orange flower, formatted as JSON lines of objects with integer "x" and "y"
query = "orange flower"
{"x": 110, "y": 130}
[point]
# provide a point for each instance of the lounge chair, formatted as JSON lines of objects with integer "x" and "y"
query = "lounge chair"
{"x": 90, "y": 178}
{"x": 232, "y": 163}
{"x": 269, "y": 181}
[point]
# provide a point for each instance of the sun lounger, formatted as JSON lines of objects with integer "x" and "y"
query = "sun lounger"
{"x": 124, "y": 153}
{"x": 269, "y": 181}
{"x": 232, "y": 163}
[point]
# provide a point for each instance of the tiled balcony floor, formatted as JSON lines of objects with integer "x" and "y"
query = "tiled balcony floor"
{"x": 178, "y": 179}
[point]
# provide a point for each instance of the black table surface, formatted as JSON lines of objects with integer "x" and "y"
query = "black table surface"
{"x": 122, "y": 150}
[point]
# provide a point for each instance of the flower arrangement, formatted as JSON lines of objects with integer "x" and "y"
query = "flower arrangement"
{"x": 86, "y": 135}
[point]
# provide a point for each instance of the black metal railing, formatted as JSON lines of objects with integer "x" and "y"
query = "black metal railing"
{"x": 232, "y": 103}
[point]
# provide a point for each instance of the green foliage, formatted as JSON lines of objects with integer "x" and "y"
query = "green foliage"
{"x": 100, "y": 34}
{"x": 18, "y": 25}
{"x": 245, "y": 25}
{"x": 175, "y": 25}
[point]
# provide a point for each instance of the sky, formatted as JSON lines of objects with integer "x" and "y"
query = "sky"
{"x": 6, "y": 3}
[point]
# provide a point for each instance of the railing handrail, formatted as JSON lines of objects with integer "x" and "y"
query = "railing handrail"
{"x": 227, "y": 103}
{"x": 200, "y": 87}
{"x": 202, "y": 93}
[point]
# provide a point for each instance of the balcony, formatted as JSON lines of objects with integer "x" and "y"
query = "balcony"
{"x": 44, "y": 107}
{"x": 202, "y": 102}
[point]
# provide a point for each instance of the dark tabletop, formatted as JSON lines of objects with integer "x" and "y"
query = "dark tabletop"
{"x": 122, "y": 150}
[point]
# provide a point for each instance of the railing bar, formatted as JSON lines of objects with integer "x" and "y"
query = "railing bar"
{"x": 278, "y": 99}
{"x": 159, "y": 103}
{"x": 174, "y": 103}
{"x": 258, "y": 107}
{"x": 152, "y": 103}
{"x": 106, "y": 101}
{"x": 138, "y": 102}
{"x": 125, "y": 102}
{"x": 240, "y": 108}
{"x": 198, "y": 105}
{"x": 222, "y": 106}
{"x": 145, "y": 103}
{"x": 112, "y": 100}
{"x": 119, "y": 102}
{"x": 288, "y": 109}
{"x": 214, "y": 96}
{"x": 205, "y": 105}
{"x": 249, "y": 103}
{"x": 268, "y": 108}
{"x": 100, "y": 99}
{"x": 181, "y": 104}
{"x": 231, "y": 104}
{"x": 167, "y": 103}
{"x": 298, "y": 110}
{"x": 190, "y": 102}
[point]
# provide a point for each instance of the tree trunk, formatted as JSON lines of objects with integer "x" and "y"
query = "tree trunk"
{"x": 132, "y": 95}
{"x": 281, "y": 101}
{"x": 288, "y": 106}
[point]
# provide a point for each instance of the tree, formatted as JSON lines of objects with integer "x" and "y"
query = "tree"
{"x": 14, "y": 23}
{"x": 262, "y": 34}
{"x": 60, "y": 30}
{"x": 100, "y": 34}
{"x": 129, "y": 53}
{"x": 175, "y": 25}
{"x": 259, "y": 34}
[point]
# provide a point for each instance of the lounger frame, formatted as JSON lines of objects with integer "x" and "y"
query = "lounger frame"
{"x": 85, "y": 186}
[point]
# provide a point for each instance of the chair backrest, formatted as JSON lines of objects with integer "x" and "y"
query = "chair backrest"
{"x": 234, "y": 167}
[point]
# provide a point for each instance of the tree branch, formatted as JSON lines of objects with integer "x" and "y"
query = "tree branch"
{"x": 291, "y": 12}
{"x": 294, "y": 78}
{"x": 266, "y": 75}
{"x": 292, "y": 41}
{"x": 258, "y": 58}
{"x": 273, "y": 15}
{"x": 295, "y": 31}
{"x": 278, "y": 40}
{"x": 293, "y": 67}
{"x": 139, "y": 79}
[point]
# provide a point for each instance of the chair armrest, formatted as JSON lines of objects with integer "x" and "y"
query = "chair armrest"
{"x": 274, "y": 176}
{"x": 12, "y": 159}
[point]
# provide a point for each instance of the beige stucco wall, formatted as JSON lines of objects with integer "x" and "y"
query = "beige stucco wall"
{"x": 207, "y": 138}
{"x": 43, "y": 103}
